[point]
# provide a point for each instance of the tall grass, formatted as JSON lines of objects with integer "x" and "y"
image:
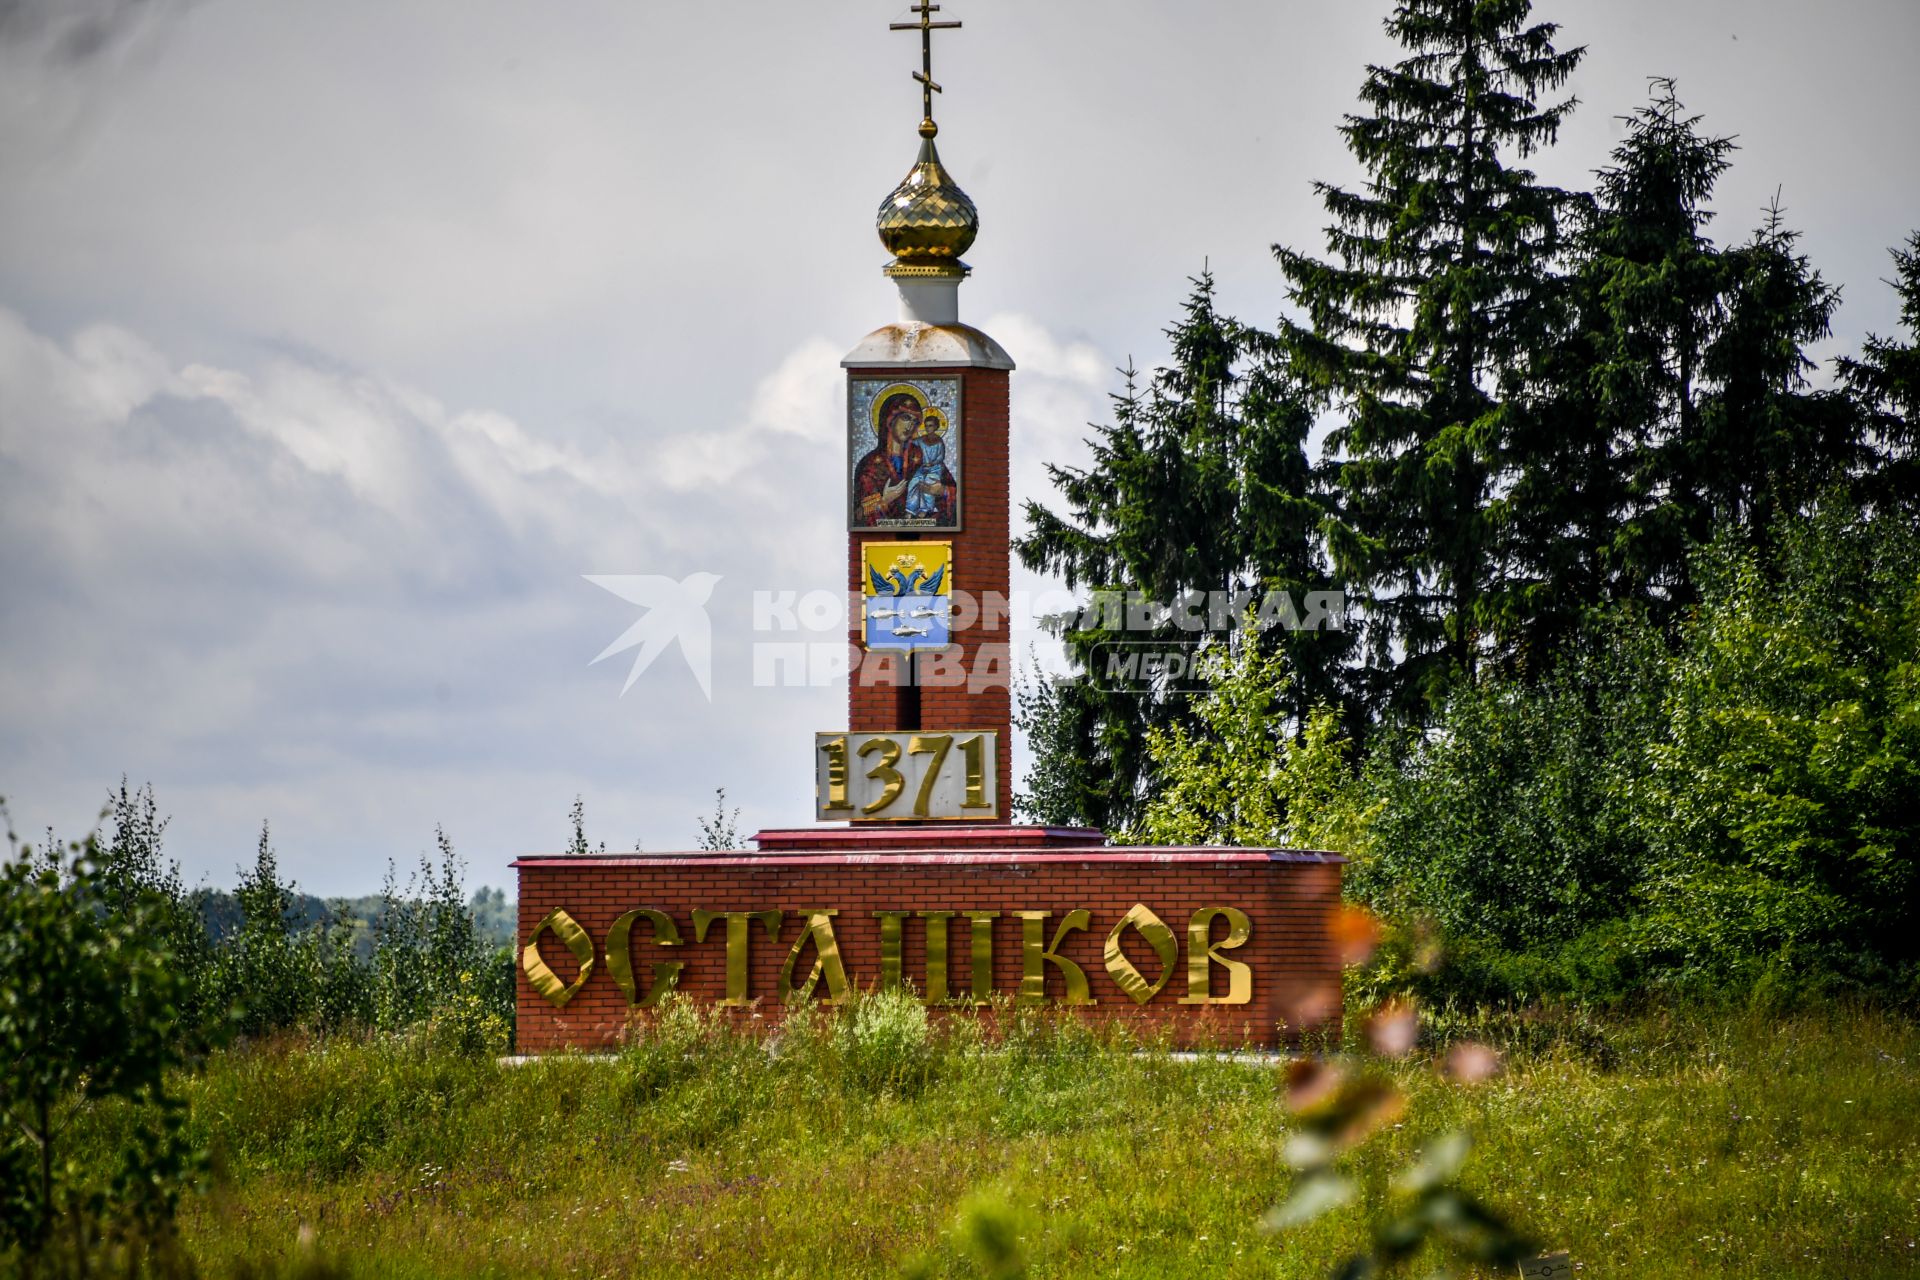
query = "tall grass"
{"x": 867, "y": 1143}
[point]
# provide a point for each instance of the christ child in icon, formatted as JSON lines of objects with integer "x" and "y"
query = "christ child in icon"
{"x": 927, "y": 486}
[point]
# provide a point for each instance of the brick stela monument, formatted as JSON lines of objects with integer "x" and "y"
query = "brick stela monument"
{"x": 917, "y": 877}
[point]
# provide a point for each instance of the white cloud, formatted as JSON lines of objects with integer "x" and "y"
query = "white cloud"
{"x": 801, "y": 398}
{"x": 1041, "y": 354}
{"x": 96, "y": 380}
{"x": 323, "y": 596}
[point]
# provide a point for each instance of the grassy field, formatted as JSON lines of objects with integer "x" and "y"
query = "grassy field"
{"x": 1652, "y": 1146}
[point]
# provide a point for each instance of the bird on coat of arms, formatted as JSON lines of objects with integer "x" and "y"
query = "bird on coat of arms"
{"x": 899, "y": 582}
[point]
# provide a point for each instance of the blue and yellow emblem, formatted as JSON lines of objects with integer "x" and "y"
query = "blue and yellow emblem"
{"x": 907, "y": 590}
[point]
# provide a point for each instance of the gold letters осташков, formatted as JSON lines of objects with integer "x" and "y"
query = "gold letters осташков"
{"x": 817, "y": 926}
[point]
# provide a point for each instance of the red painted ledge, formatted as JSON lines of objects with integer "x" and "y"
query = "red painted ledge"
{"x": 1130, "y": 855}
{"x": 926, "y": 835}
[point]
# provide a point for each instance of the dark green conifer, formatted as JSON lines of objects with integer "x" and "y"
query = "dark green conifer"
{"x": 1770, "y": 442}
{"x": 1612, "y": 411}
{"x": 1199, "y": 484}
{"x": 1439, "y": 285}
{"x": 1885, "y": 383}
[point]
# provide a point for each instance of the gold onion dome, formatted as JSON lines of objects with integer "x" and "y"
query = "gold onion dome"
{"x": 927, "y": 221}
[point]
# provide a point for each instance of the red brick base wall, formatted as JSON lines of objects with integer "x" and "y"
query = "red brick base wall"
{"x": 1287, "y": 898}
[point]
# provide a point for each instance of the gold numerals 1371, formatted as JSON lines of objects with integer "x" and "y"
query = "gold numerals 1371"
{"x": 886, "y": 776}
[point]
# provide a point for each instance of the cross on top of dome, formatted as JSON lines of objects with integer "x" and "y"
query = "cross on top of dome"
{"x": 926, "y": 27}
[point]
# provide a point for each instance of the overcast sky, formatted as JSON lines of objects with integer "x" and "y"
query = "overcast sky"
{"x": 339, "y": 340}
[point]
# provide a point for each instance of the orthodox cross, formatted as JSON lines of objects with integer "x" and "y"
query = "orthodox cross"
{"x": 926, "y": 27}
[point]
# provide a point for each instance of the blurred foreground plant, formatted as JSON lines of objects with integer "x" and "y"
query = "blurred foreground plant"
{"x": 1340, "y": 1106}
{"x": 985, "y": 1242}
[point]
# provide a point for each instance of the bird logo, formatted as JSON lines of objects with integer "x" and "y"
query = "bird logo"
{"x": 674, "y": 611}
{"x": 898, "y": 582}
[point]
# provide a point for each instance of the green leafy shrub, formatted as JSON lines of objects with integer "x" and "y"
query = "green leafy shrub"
{"x": 134, "y": 871}
{"x": 1511, "y": 819}
{"x": 1780, "y": 812}
{"x": 90, "y": 1014}
{"x": 664, "y": 1047}
{"x": 1243, "y": 777}
{"x": 429, "y": 953}
{"x": 1729, "y": 808}
{"x": 468, "y": 1024}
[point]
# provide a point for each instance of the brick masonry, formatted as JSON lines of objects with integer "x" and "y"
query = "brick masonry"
{"x": 981, "y": 551}
{"x": 1288, "y": 897}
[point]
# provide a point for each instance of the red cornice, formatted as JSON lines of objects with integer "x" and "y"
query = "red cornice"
{"x": 931, "y": 855}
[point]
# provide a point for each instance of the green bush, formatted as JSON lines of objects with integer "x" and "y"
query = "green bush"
{"x": 1512, "y": 819}
{"x": 429, "y": 954}
{"x": 665, "y": 1047}
{"x": 1242, "y": 775}
{"x": 1782, "y": 811}
{"x": 1735, "y": 813}
{"x": 90, "y": 1015}
{"x": 468, "y": 1024}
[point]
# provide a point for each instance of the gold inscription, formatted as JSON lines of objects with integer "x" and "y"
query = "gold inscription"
{"x": 736, "y": 944}
{"x": 836, "y": 749}
{"x": 892, "y": 926}
{"x": 1034, "y": 957}
{"x": 826, "y": 959}
{"x": 1157, "y": 935}
{"x": 937, "y": 745}
{"x": 884, "y": 772}
{"x": 545, "y": 980}
{"x": 1205, "y": 953}
{"x": 974, "y": 750}
{"x": 1202, "y": 954}
{"x": 982, "y": 948}
{"x": 933, "y": 774}
{"x": 666, "y": 973}
{"x": 937, "y": 937}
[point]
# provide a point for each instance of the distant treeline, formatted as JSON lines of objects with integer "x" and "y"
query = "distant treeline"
{"x": 493, "y": 915}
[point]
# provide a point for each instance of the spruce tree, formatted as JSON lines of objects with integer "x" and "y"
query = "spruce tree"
{"x": 1885, "y": 384}
{"x": 1440, "y": 284}
{"x": 1676, "y": 404}
{"x": 1199, "y": 484}
{"x": 1770, "y": 443}
{"x": 1087, "y": 736}
{"x": 1653, "y": 283}
{"x": 1600, "y": 511}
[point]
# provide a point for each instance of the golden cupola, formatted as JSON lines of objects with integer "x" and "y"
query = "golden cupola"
{"x": 927, "y": 221}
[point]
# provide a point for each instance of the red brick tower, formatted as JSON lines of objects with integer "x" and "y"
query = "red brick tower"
{"x": 927, "y": 222}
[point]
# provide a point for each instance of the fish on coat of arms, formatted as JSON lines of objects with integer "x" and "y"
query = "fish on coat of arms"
{"x": 907, "y": 591}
